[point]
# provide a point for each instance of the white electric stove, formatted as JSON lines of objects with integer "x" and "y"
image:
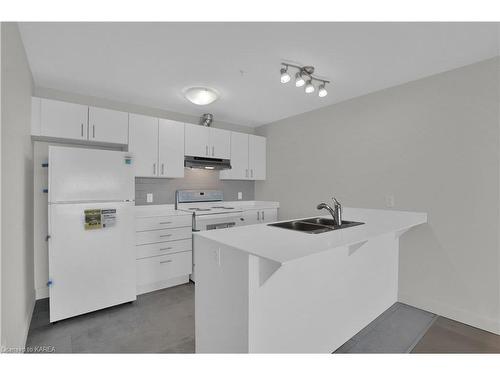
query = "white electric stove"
{"x": 209, "y": 212}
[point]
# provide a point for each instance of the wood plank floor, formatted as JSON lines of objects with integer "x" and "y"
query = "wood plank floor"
{"x": 449, "y": 336}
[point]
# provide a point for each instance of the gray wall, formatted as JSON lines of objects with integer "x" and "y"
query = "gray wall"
{"x": 164, "y": 189}
{"x": 18, "y": 295}
{"x": 434, "y": 145}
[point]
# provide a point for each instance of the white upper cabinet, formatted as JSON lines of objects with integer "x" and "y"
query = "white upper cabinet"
{"x": 207, "y": 142}
{"x": 257, "y": 157}
{"x": 220, "y": 143}
{"x": 143, "y": 143}
{"x": 170, "y": 148}
{"x": 239, "y": 158}
{"x": 75, "y": 121}
{"x": 106, "y": 125}
{"x": 196, "y": 140}
{"x": 63, "y": 120}
{"x": 248, "y": 158}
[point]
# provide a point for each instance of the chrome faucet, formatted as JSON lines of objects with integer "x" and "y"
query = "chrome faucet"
{"x": 336, "y": 211}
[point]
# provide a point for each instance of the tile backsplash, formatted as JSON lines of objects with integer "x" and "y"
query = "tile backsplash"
{"x": 163, "y": 189}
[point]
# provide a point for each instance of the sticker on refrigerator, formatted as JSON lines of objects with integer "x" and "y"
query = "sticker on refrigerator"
{"x": 108, "y": 217}
{"x": 92, "y": 219}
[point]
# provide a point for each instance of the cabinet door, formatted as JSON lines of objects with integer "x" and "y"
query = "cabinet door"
{"x": 170, "y": 148}
{"x": 257, "y": 157}
{"x": 239, "y": 158}
{"x": 251, "y": 217}
{"x": 269, "y": 215}
{"x": 220, "y": 143}
{"x": 63, "y": 120}
{"x": 143, "y": 143}
{"x": 106, "y": 125}
{"x": 196, "y": 140}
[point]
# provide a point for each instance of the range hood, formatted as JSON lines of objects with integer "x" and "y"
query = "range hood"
{"x": 206, "y": 163}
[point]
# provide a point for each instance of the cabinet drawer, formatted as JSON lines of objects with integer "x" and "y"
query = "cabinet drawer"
{"x": 162, "y": 222}
{"x": 162, "y": 248}
{"x": 162, "y": 235}
{"x": 155, "y": 269}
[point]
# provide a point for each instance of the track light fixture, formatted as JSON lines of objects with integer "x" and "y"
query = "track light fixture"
{"x": 304, "y": 76}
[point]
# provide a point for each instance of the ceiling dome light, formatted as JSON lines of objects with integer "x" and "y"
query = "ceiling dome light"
{"x": 322, "y": 92}
{"x": 309, "y": 87}
{"x": 285, "y": 77}
{"x": 201, "y": 95}
{"x": 299, "y": 81}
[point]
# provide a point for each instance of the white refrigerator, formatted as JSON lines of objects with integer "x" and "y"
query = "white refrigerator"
{"x": 91, "y": 230}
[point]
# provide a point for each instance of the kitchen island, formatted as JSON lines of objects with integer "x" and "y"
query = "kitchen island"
{"x": 263, "y": 289}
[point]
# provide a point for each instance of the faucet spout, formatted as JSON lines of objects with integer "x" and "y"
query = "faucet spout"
{"x": 336, "y": 211}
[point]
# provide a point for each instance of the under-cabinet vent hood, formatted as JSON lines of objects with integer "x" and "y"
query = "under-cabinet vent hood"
{"x": 206, "y": 163}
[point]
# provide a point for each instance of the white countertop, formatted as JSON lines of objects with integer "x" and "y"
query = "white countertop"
{"x": 284, "y": 245}
{"x": 253, "y": 205}
{"x": 158, "y": 210}
{"x": 169, "y": 209}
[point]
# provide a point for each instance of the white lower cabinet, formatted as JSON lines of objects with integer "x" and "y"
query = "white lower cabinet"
{"x": 163, "y": 251}
{"x": 260, "y": 216}
{"x": 160, "y": 269}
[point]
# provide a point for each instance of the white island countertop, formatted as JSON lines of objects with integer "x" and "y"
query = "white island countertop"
{"x": 284, "y": 245}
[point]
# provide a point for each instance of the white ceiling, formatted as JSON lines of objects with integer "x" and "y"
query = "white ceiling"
{"x": 151, "y": 63}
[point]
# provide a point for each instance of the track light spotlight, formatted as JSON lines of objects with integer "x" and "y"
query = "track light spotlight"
{"x": 309, "y": 87}
{"x": 285, "y": 77}
{"x": 322, "y": 92}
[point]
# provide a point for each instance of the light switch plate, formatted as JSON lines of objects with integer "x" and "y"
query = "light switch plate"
{"x": 149, "y": 197}
{"x": 240, "y": 195}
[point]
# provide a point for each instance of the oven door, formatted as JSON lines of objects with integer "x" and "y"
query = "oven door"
{"x": 216, "y": 221}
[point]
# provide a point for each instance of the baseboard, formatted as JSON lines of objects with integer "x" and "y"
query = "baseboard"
{"x": 28, "y": 318}
{"x": 451, "y": 312}
{"x": 42, "y": 293}
{"x": 141, "y": 289}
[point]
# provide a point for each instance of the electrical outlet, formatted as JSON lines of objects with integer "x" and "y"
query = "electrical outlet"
{"x": 149, "y": 197}
{"x": 389, "y": 200}
{"x": 240, "y": 195}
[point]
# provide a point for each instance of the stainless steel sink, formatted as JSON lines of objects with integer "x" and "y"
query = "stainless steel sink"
{"x": 314, "y": 225}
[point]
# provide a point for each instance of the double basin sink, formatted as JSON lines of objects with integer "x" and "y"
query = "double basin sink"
{"x": 314, "y": 225}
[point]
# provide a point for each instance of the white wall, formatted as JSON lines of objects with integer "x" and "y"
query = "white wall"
{"x": 18, "y": 295}
{"x": 434, "y": 145}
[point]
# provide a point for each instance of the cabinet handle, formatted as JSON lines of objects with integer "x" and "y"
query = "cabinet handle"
{"x": 213, "y": 152}
{"x": 93, "y": 131}
{"x": 206, "y": 150}
{"x": 166, "y": 235}
{"x": 165, "y": 248}
{"x": 154, "y": 168}
{"x": 263, "y": 215}
{"x": 165, "y": 222}
{"x": 82, "y": 130}
{"x": 258, "y": 215}
{"x": 166, "y": 261}
{"x": 162, "y": 168}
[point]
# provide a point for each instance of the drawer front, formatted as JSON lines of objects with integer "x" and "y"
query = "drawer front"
{"x": 163, "y": 235}
{"x": 155, "y": 269}
{"x": 162, "y": 248}
{"x": 162, "y": 222}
